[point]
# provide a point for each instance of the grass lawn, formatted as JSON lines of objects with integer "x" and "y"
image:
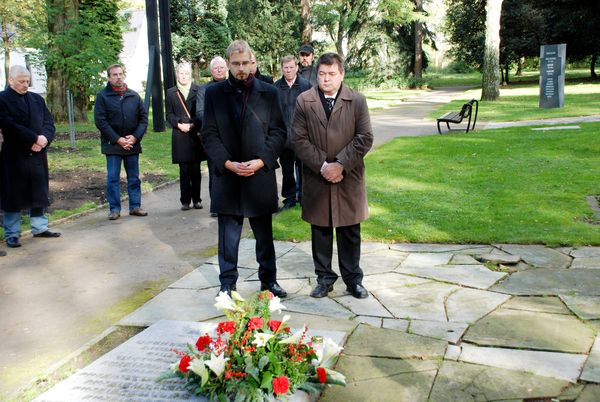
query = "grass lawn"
{"x": 521, "y": 102}
{"x": 511, "y": 185}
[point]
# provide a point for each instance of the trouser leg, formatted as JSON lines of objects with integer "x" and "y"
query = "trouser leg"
{"x": 348, "y": 244}
{"x": 230, "y": 231}
{"x": 196, "y": 181}
{"x": 265, "y": 250}
{"x": 288, "y": 182}
{"x": 113, "y": 176}
{"x": 38, "y": 220}
{"x": 185, "y": 187}
{"x": 12, "y": 224}
{"x": 134, "y": 184}
{"x": 322, "y": 251}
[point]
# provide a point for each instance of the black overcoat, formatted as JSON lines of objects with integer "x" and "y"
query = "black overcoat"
{"x": 185, "y": 147}
{"x": 24, "y": 173}
{"x": 261, "y": 135}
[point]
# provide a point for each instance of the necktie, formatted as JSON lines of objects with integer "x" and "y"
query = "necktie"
{"x": 330, "y": 102}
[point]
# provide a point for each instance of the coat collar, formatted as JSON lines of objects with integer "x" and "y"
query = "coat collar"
{"x": 317, "y": 108}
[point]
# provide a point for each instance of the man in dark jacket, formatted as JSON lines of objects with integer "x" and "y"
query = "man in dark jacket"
{"x": 306, "y": 69}
{"x": 290, "y": 85}
{"x": 243, "y": 134}
{"x": 186, "y": 147}
{"x": 122, "y": 120}
{"x": 28, "y": 129}
{"x": 256, "y": 72}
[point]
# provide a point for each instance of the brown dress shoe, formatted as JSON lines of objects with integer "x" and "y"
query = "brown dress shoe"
{"x": 138, "y": 212}
{"x": 113, "y": 216}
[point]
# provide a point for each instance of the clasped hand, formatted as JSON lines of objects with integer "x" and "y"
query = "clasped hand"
{"x": 40, "y": 144}
{"x": 245, "y": 169}
{"x": 332, "y": 172}
{"x": 127, "y": 142}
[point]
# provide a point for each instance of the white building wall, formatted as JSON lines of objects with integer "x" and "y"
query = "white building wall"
{"x": 38, "y": 75}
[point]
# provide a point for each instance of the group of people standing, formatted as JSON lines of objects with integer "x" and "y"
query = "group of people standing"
{"x": 246, "y": 126}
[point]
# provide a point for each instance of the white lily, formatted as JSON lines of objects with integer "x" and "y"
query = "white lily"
{"x": 261, "y": 339}
{"x": 224, "y": 302}
{"x": 327, "y": 352}
{"x": 198, "y": 367}
{"x": 216, "y": 363}
{"x": 237, "y": 297}
{"x": 275, "y": 305}
{"x": 295, "y": 337}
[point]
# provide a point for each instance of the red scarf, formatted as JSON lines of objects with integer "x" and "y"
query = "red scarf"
{"x": 120, "y": 90}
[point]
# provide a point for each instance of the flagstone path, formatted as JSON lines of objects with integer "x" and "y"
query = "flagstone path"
{"x": 439, "y": 325}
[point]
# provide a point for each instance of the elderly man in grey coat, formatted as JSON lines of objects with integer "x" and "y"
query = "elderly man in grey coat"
{"x": 332, "y": 134}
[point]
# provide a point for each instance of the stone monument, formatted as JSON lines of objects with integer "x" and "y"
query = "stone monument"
{"x": 552, "y": 75}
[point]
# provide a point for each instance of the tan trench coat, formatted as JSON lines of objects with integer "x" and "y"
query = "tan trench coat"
{"x": 347, "y": 136}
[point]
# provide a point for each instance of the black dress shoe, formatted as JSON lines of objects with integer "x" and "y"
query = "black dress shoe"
{"x": 13, "y": 242}
{"x": 358, "y": 291}
{"x": 185, "y": 207}
{"x": 198, "y": 205}
{"x": 47, "y": 234}
{"x": 274, "y": 288}
{"x": 214, "y": 215}
{"x": 321, "y": 290}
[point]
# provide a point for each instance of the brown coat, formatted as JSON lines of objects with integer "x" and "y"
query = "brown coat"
{"x": 347, "y": 136}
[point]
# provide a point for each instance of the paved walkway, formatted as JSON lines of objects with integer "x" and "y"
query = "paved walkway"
{"x": 543, "y": 122}
{"x": 439, "y": 324}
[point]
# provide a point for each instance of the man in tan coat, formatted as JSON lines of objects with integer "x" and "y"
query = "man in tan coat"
{"x": 332, "y": 134}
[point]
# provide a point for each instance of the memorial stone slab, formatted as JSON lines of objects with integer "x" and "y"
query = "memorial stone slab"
{"x": 552, "y": 75}
{"x": 476, "y": 276}
{"x": 551, "y": 305}
{"x": 563, "y": 366}
{"x": 130, "y": 371}
{"x": 546, "y": 282}
{"x": 469, "y": 305}
{"x": 591, "y": 370}
{"x": 454, "y": 383}
{"x": 538, "y": 256}
{"x": 585, "y": 307}
{"x": 531, "y": 330}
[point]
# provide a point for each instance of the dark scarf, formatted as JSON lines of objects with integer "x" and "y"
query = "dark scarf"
{"x": 243, "y": 88}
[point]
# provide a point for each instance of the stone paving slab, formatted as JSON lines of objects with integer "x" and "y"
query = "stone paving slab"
{"x": 464, "y": 382}
{"x": 585, "y": 252}
{"x": 369, "y": 306}
{"x": 463, "y": 259}
{"x": 531, "y": 330}
{"x": 424, "y": 302}
{"x": 591, "y": 393}
{"x": 496, "y": 258}
{"x": 426, "y": 260}
{"x": 586, "y": 263}
{"x": 448, "y": 331}
{"x": 591, "y": 370}
{"x": 395, "y": 323}
{"x": 389, "y": 343}
{"x": 469, "y": 305}
{"x": 207, "y": 276}
{"x": 325, "y": 307}
{"x": 586, "y": 307}
{"x": 441, "y": 248}
{"x": 477, "y": 276}
{"x": 538, "y": 256}
{"x": 563, "y": 366}
{"x": 546, "y": 282}
{"x": 391, "y": 281}
{"x": 381, "y": 262}
{"x": 542, "y": 304}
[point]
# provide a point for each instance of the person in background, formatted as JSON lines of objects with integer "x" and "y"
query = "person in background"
{"x": 254, "y": 71}
{"x": 122, "y": 119}
{"x": 306, "y": 68}
{"x": 290, "y": 85}
{"x": 218, "y": 72}
{"x": 243, "y": 133}
{"x": 186, "y": 146}
{"x": 28, "y": 129}
{"x": 332, "y": 135}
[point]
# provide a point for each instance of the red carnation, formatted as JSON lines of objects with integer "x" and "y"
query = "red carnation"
{"x": 322, "y": 374}
{"x": 255, "y": 323}
{"x": 203, "y": 342}
{"x": 226, "y": 326}
{"x": 274, "y": 325}
{"x": 184, "y": 363}
{"x": 281, "y": 385}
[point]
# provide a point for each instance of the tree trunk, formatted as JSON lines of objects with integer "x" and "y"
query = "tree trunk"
{"x": 418, "y": 68}
{"x": 593, "y": 66}
{"x": 490, "y": 87}
{"x": 5, "y": 40}
{"x": 339, "y": 43}
{"x": 306, "y": 26}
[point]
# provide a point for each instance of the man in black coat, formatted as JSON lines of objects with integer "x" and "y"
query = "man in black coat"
{"x": 28, "y": 129}
{"x": 306, "y": 69}
{"x": 243, "y": 134}
{"x": 186, "y": 146}
{"x": 290, "y": 85}
{"x": 122, "y": 119}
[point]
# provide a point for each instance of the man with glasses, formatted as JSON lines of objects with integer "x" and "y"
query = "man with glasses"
{"x": 243, "y": 134}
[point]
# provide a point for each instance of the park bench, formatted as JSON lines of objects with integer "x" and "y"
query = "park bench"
{"x": 466, "y": 112}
